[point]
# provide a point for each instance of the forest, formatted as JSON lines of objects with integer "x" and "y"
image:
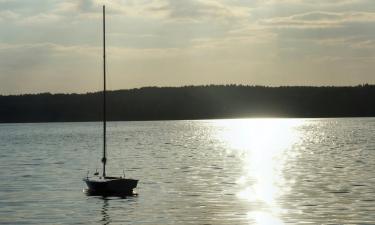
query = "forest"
{"x": 192, "y": 102}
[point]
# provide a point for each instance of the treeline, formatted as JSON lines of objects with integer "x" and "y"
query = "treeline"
{"x": 192, "y": 102}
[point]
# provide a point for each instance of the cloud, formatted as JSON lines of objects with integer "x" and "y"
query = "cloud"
{"x": 195, "y": 10}
{"x": 16, "y": 57}
{"x": 42, "y": 18}
{"x": 30, "y": 68}
{"x": 178, "y": 42}
{"x": 93, "y": 8}
{"x": 357, "y": 42}
{"x": 312, "y": 2}
{"x": 6, "y": 15}
{"x": 320, "y": 19}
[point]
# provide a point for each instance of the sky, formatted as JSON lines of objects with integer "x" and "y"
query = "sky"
{"x": 56, "y": 46}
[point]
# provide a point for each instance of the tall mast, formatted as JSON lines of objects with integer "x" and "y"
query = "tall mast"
{"x": 104, "y": 159}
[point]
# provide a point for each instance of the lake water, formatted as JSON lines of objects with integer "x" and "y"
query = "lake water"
{"x": 245, "y": 171}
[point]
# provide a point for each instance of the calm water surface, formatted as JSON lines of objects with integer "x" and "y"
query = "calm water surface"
{"x": 245, "y": 171}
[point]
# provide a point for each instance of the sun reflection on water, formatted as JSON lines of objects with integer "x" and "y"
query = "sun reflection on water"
{"x": 265, "y": 146}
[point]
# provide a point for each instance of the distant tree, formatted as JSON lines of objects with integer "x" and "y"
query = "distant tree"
{"x": 192, "y": 102}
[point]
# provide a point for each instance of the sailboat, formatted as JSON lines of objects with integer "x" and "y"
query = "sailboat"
{"x": 108, "y": 185}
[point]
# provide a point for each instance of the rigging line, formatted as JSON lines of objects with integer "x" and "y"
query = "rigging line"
{"x": 108, "y": 88}
{"x": 88, "y": 161}
{"x": 111, "y": 125}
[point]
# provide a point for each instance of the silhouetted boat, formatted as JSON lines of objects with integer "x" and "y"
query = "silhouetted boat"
{"x": 106, "y": 185}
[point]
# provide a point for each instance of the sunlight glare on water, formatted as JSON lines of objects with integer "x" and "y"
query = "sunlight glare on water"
{"x": 265, "y": 146}
{"x": 222, "y": 172}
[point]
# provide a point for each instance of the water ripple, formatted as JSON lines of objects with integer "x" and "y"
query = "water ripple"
{"x": 256, "y": 171}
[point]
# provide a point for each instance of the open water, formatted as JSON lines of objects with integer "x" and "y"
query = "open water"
{"x": 240, "y": 171}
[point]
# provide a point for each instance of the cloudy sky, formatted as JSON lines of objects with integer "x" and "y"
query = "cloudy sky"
{"x": 55, "y": 46}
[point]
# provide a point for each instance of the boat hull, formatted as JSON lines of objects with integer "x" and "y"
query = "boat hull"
{"x": 111, "y": 186}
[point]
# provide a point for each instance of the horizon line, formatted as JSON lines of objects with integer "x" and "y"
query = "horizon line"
{"x": 199, "y": 85}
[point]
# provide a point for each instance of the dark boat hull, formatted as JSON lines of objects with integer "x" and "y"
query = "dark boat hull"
{"x": 111, "y": 186}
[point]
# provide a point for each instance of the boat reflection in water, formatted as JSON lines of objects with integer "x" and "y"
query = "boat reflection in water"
{"x": 265, "y": 146}
{"x": 106, "y": 219}
{"x": 108, "y": 207}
